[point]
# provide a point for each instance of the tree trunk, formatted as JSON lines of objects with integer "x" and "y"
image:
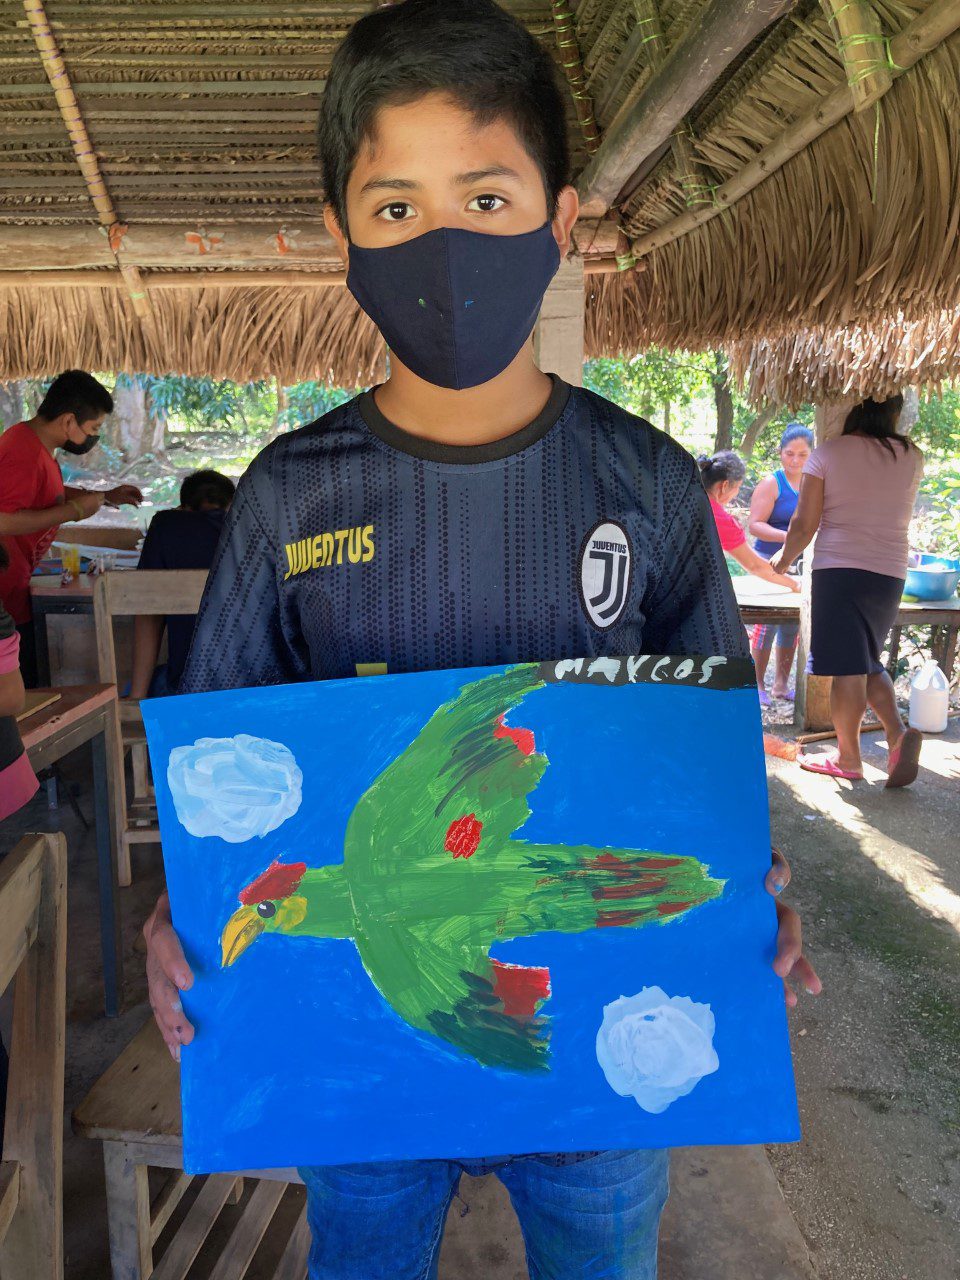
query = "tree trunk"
{"x": 911, "y": 410}
{"x": 132, "y": 427}
{"x": 11, "y": 404}
{"x": 667, "y": 410}
{"x": 756, "y": 429}
{"x": 723, "y": 398}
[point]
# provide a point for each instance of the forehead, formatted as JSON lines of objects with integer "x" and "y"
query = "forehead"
{"x": 435, "y": 140}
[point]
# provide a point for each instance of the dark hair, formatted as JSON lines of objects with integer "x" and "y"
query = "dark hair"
{"x": 878, "y": 419}
{"x": 723, "y": 466}
{"x": 796, "y": 431}
{"x": 207, "y": 489}
{"x": 78, "y": 393}
{"x": 470, "y": 49}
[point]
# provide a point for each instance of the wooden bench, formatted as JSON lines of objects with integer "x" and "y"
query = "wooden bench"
{"x": 33, "y": 950}
{"x": 134, "y": 1110}
{"x": 154, "y": 592}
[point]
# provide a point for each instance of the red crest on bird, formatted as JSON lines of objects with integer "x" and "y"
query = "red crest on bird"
{"x": 278, "y": 881}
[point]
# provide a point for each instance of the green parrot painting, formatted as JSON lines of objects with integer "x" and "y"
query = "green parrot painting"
{"x": 433, "y": 875}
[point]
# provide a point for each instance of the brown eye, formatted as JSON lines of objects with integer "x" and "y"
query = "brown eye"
{"x": 487, "y": 203}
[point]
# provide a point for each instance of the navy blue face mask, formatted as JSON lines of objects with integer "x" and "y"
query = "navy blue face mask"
{"x": 455, "y": 306}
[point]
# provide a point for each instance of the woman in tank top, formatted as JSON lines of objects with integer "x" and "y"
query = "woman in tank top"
{"x": 772, "y": 505}
{"x": 857, "y": 496}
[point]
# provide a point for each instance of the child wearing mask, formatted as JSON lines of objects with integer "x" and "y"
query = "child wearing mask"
{"x": 472, "y": 510}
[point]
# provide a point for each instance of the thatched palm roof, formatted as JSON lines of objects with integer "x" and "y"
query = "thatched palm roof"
{"x": 789, "y": 184}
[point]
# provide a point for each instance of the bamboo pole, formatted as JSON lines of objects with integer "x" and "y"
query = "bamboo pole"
{"x": 570, "y": 57}
{"x": 916, "y": 40}
{"x": 700, "y": 56}
{"x": 86, "y": 158}
{"x": 861, "y": 46}
{"x": 98, "y": 279}
{"x": 105, "y": 279}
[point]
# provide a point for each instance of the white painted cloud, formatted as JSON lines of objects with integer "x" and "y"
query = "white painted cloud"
{"x": 656, "y": 1048}
{"x": 234, "y": 788}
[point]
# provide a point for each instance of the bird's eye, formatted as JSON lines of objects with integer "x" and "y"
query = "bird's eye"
{"x": 266, "y": 910}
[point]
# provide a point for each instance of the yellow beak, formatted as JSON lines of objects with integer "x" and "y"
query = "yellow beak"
{"x": 243, "y": 927}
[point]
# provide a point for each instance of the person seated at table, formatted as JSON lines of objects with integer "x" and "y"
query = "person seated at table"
{"x": 772, "y": 503}
{"x": 185, "y": 538}
{"x": 34, "y": 501}
{"x": 722, "y": 476}
{"x": 857, "y": 495}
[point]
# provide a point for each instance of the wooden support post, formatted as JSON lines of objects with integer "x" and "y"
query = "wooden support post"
{"x": 861, "y": 45}
{"x": 701, "y": 55}
{"x": 558, "y": 337}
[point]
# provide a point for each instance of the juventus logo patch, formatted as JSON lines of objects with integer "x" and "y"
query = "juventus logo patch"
{"x": 605, "y": 565}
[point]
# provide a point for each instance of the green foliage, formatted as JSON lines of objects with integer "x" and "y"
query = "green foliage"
{"x": 936, "y": 526}
{"x": 938, "y": 427}
{"x": 644, "y": 383}
{"x": 307, "y": 401}
{"x": 203, "y": 404}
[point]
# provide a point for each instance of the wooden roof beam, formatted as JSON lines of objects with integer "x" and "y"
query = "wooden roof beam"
{"x": 925, "y": 33}
{"x": 697, "y": 60}
{"x": 265, "y": 243}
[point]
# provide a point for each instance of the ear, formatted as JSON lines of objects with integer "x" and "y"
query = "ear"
{"x": 332, "y": 223}
{"x": 565, "y": 218}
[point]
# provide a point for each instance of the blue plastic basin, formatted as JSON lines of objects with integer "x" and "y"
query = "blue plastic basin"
{"x": 934, "y": 578}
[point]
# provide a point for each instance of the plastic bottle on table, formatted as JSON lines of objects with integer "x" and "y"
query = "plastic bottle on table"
{"x": 929, "y": 699}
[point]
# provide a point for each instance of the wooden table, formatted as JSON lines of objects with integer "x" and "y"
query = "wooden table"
{"x": 88, "y": 713}
{"x": 769, "y": 604}
{"x": 47, "y": 596}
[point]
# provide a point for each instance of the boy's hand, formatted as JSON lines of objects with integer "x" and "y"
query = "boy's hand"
{"x": 789, "y": 962}
{"x": 123, "y": 495}
{"x": 167, "y": 975}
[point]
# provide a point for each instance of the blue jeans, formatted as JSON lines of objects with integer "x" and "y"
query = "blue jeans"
{"x": 581, "y": 1218}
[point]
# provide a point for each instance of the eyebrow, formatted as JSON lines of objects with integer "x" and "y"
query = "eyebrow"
{"x": 462, "y": 180}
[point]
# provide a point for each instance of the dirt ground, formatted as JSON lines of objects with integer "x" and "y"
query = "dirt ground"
{"x": 875, "y": 1184}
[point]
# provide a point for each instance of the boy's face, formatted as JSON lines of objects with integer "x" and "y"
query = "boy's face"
{"x": 430, "y": 165}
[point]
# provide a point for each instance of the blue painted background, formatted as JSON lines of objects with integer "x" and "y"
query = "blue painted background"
{"x": 299, "y": 1060}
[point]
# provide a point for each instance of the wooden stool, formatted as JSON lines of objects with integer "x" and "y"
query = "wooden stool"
{"x": 134, "y": 1110}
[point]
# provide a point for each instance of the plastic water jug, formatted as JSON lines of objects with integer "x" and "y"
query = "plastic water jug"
{"x": 929, "y": 699}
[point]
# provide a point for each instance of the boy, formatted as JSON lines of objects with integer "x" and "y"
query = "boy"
{"x": 185, "y": 538}
{"x": 33, "y": 499}
{"x": 470, "y": 511}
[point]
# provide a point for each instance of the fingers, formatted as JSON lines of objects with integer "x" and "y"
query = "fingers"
{"x": 790, "y": 962}
{"x": 778, "y": 877}
{"x": 175, "y": 1027}
{"x": 806, "y": 975}
{"x": 167, "y": 975}
{"x": 164, "y": 946}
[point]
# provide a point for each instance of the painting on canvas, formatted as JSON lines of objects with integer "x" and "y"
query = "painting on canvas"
{"x": 471, "y": 912}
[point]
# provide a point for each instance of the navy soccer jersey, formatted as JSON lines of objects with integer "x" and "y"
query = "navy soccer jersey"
{"x": 351, "y": 544}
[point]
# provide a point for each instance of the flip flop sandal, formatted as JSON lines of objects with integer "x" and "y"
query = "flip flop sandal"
{"x": 785, "y": 697}
{"x": 765, "y": 699}
{"x": 827, "y": 765}
{"x": 904, "y": 761}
